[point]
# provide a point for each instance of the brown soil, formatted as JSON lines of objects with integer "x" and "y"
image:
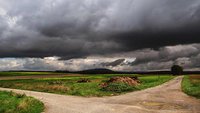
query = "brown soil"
{"x": 195, "y": 77}
{"x": 132, "y": 81}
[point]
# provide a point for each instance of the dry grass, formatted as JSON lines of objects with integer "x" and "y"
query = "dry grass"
{"x": 17, "y": 95}
{"x": 51, "y": 88}
{"x": 61, "y": 88}
{"x": 24, "y": 104}
{"x": 195, "y": 78}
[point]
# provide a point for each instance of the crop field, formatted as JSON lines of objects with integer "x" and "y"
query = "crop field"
{"x": 191, "y": 85}
{"x": 4, "y": 74}
{"x": 18, "y": 103}
{"x": 70, "y": 86}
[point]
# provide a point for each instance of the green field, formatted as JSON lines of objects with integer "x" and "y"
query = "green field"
{"x": 69, "y": 86}
{"x": 16, "y": 103}
{"x": 25, "y": 73}
{"x": 191, "y": 85}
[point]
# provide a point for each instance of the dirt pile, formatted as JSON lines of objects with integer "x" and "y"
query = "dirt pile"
{"x": 132, "y": 81}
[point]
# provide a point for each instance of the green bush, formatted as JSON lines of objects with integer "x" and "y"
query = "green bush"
{"x": 118, "y": 87}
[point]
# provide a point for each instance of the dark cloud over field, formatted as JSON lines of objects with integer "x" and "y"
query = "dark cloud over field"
{"x": 149, "y": 31}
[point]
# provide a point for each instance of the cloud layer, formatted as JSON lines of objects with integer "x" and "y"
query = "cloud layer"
{"x": 187, "y": 56}
{"x": 156, "y": 33}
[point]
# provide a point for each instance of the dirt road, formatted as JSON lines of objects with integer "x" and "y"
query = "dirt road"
{"x": 166, "y": 98}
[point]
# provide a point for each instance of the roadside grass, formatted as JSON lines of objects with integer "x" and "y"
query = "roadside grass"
{"x": 191, "y": 85}
{"x": 19, "y": 103}
{"x": 69, "y": 86}
{"x": 25, "y": 73}
{"x": 151, "y": 81}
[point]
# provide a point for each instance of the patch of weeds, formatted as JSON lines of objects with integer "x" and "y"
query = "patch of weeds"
{"x": 16, "y": 95}
{"x": 118, "y": 87}
{"x": 55, "y": 82}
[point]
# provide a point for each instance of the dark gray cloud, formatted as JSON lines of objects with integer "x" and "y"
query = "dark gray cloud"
{"x": 165, "y": 57}
{"x": 141, "y": 60}
{"x": 69, "y": 28}
{"x": 77, "y": 29}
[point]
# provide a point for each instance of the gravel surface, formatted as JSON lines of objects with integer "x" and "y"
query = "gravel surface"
{"x": 166, "y": 98}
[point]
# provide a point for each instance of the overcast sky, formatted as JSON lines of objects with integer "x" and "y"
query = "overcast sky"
{"x": 129, "y": 35}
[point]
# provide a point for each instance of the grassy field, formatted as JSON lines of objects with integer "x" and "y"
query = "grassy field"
{"x": 26, "y": 73}
{"x": 69, "y": 86}
{"x": 16, "y": 103}
{"x": 191, "y": 85}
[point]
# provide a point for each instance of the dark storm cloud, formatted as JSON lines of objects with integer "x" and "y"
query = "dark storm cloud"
{"x": 164, "y": 54}
{"x": 73, "y": 29}
{"x": 163, "y": 23}
{"x": 163, "y": 58}
{"x": 155, "y": 40}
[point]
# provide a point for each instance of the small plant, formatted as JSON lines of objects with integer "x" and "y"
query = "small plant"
{"x": 17, "y": 95}
{"x": 20, "y": 95}
{"x": 118, "y": 87}
{"x": 83, "y": 80}
{"x": 55, "y": 82}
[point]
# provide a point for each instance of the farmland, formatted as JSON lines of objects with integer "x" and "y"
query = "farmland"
{"x": 19, "y": 103}
{"x": 90, "y": 85}
{"x": 3, "y": 74}
{"x": 68, "y": 85}
{"x": 191, "y": 85}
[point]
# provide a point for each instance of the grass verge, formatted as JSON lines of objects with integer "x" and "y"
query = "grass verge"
{"x": 152, "y": 81}
{"x": 191, "y": 85}
{"x": 19, "y": 103}
{"x": 69, "y": 85}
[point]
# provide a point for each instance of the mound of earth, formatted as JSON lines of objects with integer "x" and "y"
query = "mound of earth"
{"x": 132, "y": 81}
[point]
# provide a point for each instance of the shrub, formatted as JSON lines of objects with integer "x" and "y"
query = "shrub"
{"x": 118, "y": 87}
{"x": 54, "y": 82}
{"x": 17, "y": 95}
{"x": 83, "y": 80}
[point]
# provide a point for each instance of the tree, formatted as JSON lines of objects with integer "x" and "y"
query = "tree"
{"x": 176, "y": 70}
